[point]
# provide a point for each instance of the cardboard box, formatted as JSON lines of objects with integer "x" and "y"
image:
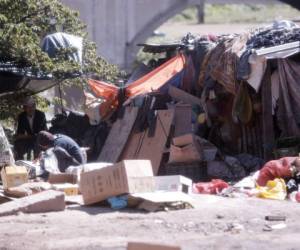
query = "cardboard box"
{"x": 62, "y": 178}
{"x": 157, "y": 201}
{"x": 184, "y": 140}
{"x": 188, "y": 153}
{"x": 164, "y": 197}
{"x": 182, "y": 149}
{"x": 173, "y": 183}
{"x": 13, "y": 176}
{"x": 147, "y": 246}
{"x": 128, "y": 176}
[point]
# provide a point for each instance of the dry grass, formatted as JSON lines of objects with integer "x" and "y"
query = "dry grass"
{"x": 239, "y": 13}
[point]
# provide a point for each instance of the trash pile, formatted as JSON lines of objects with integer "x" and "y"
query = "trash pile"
{"x": 205, "y": 119}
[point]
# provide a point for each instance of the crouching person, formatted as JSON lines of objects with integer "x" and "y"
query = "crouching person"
{"x": 67, "y": 151}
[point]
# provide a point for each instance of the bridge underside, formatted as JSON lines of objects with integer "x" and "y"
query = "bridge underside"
{"x": 117, "y": 26}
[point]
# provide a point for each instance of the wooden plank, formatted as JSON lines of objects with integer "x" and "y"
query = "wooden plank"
{"x": 183, "y": 119}
{"x": 153, "y": 148}
{"x": 267, "y": 123}
{"x": 133, "y": 144}
{"x": 118, "y": 136}
{"x": 140, "y": 146}
{"x": 180, "y": 95}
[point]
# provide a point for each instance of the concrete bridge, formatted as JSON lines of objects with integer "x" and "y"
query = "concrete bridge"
{"x": 118, "y": 25}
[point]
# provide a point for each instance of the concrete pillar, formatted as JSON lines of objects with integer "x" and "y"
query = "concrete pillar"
{"x": 200, "y": 9}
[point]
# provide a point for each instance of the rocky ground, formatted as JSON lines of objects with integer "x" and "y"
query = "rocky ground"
{"x": 215, "y": 223}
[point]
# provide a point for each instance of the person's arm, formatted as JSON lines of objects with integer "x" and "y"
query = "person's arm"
{"x": 78, "y": 155}
{"x": 21, "y": 131}
{"x": 20, "y": 126}
{"x": 43, "y": 122}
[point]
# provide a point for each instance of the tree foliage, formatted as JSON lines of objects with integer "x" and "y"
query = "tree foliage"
{"x": 23, "y": 25}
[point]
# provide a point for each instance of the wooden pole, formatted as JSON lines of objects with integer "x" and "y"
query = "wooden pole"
{"x": 267, "y": 119}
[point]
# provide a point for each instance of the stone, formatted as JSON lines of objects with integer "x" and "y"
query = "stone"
{"x": 47, "y": 201}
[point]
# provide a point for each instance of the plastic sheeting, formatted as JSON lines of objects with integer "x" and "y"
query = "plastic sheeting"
{"x": 6, "y": 156}
{"x": 167, "y": 73}
{"x": 157, "y": 78}
{"x": 103, "y": 90}
{"x": 59, "y": 40}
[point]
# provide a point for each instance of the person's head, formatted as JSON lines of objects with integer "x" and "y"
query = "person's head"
{"x": 45, "y": 140}
{"x": 29, "y": 106}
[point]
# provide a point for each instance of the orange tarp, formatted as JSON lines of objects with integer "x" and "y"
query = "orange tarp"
{"x": 153, "y": 81}
{"x": 103, "y": 89}
{"x": 156, "y": 78}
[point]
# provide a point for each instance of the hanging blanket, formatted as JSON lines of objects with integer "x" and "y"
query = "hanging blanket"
{"x": 289, "y": 100}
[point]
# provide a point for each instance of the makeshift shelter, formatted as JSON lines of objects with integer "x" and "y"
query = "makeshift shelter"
{"x": 15, "y": 78}
{"x": 283, "y": 86}
{"x": 249, "y": 86}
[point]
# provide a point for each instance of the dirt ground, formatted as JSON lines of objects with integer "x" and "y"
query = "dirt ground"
{"x": 215, "y": 223}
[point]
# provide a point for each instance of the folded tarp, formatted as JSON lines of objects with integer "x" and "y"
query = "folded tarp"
{"x": 52, "y": 43}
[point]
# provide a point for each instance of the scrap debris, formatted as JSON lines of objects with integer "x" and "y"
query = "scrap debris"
{"x": 207, "y": 121}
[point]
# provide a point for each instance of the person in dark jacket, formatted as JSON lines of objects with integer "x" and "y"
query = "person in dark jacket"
{"x": 66, "y": 150}
{"x": 30, "y": 122}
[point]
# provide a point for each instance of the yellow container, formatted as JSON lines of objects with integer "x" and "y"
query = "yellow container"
{"x": 67, "y": 188}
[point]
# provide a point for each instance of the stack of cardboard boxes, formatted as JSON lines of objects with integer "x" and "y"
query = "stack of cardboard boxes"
{"x": 131, "y": 177}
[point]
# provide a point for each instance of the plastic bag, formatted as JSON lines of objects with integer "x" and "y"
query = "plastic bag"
{"x": 295, "y": 196}
{"x": 213, "y": 187}
{"x": 118, "y": 202}
{"x": 275, "y": 169}
{"x": 49, "y": 162}
{"x": 6, "y": 156}
{"x": 275, "y": 189}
